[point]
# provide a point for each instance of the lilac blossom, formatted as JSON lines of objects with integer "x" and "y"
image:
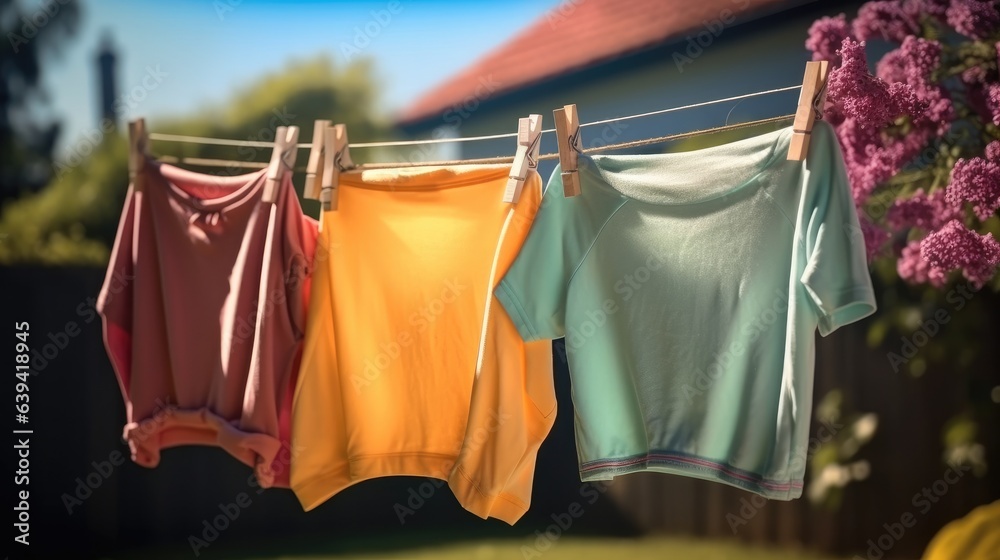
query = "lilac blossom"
{"x": 903, "y": 116}
{"x": 933, "y": 8}
{"x": 927, "y": 212}
{"x": 886, "y": 20}
{"x": 914, "y": 269}
{"x": 993, "y": 102}
{"x": 993, "y": 151}
{"x": 973, "y": 18}
{"x": 977, "y": 97}
{"x": 874, "y": 236}
{"x": 861, "y": 96}
{"x": 956, "y": 247}
{"x": 921, "y": 58}
{"x": 976, "y": 181}
{"x": 825, "y": 37}
{"x": 974, "y": 75}
{"x": 891, "y": 68}
{"x": 872, "y": 158}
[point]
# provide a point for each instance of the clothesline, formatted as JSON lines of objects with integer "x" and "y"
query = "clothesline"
{"x": 274, "y": 249}
{"x": 490, "y": 160}
{"x": 391, "y": 143}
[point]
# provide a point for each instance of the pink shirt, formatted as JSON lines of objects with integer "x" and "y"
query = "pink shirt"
{"x": 204, "y": 310}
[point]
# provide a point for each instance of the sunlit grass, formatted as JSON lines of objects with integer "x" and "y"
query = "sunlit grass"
{"x": 586, "y": 549}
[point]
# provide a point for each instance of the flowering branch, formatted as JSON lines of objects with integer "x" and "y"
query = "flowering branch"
{"x": 921, "y": 136}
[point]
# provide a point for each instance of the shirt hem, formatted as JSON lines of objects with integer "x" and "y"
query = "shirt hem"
{"x": 694, "y": 467}
{"x": 502, "y": 506}
{"x": 173, "y": 427}
{"x": 860, "y": 303}
{"x": 319, "y": 488}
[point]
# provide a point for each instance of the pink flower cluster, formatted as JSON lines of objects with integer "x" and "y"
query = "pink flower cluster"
{"x": 863, "y": 104}
{"x": 874, "y": 236}
{"x": 993, "y": 102}
{"x": 983, "y": 90}
{"x": 974, "y": 18}
{"x": 887, "y": 20}
{"x": 927, "y": 212}
{"x": 866, "y": 99}
{"x": 976, "y": 181}
{"x": 933, "y": 8}
{"x": 921, "y": 58}
{"x": 825, "y": 36}
{"x": 897, "y": 118}
{"x": 956, "y": 247}
{"x": 993, "y": 151}
{"x": 912, "y": 267}
{"x": 901, "y": 117}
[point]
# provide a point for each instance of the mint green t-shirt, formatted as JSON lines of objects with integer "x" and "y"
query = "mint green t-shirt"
{"x": 689, "y": 287}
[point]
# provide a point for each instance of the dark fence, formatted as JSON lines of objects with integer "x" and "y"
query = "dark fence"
{"x": 86, "y": 501}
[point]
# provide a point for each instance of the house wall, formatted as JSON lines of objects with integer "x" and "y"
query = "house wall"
{"x": 762, "y": 55}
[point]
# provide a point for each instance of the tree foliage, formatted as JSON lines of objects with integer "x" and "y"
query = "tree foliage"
{"x": 74, "y": 218}
{"x": 32, "y": 32}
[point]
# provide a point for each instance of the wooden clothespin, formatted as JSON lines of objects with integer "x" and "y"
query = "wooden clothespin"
{"x": 138, "y": 151}
{"x": 314, "y": 169}
{"x": 336, "y": 158}
{"x": 568, "y": 141}
{"x": 529, "y": 135}
{"x": 812, "y": 98}
{"x": 286, "y": 147}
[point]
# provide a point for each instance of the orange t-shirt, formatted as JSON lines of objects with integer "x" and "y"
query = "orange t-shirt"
{"x": 410, "y": 366}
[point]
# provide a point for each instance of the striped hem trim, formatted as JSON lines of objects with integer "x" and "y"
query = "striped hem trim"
{"x": 727, "y": 473}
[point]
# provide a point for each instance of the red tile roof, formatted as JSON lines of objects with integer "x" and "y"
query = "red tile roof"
{"x": 574, "y": 35}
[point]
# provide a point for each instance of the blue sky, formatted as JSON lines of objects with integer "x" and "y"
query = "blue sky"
{"x": 203, "y": 50}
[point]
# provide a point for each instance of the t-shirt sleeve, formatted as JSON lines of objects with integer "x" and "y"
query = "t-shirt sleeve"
{"x": 534, "y": 290}
{"x": 835, "y": 273}
{"x": 114, "y": 303}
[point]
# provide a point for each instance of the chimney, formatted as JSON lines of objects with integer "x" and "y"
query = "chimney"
{"x": 106, "y": 62}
